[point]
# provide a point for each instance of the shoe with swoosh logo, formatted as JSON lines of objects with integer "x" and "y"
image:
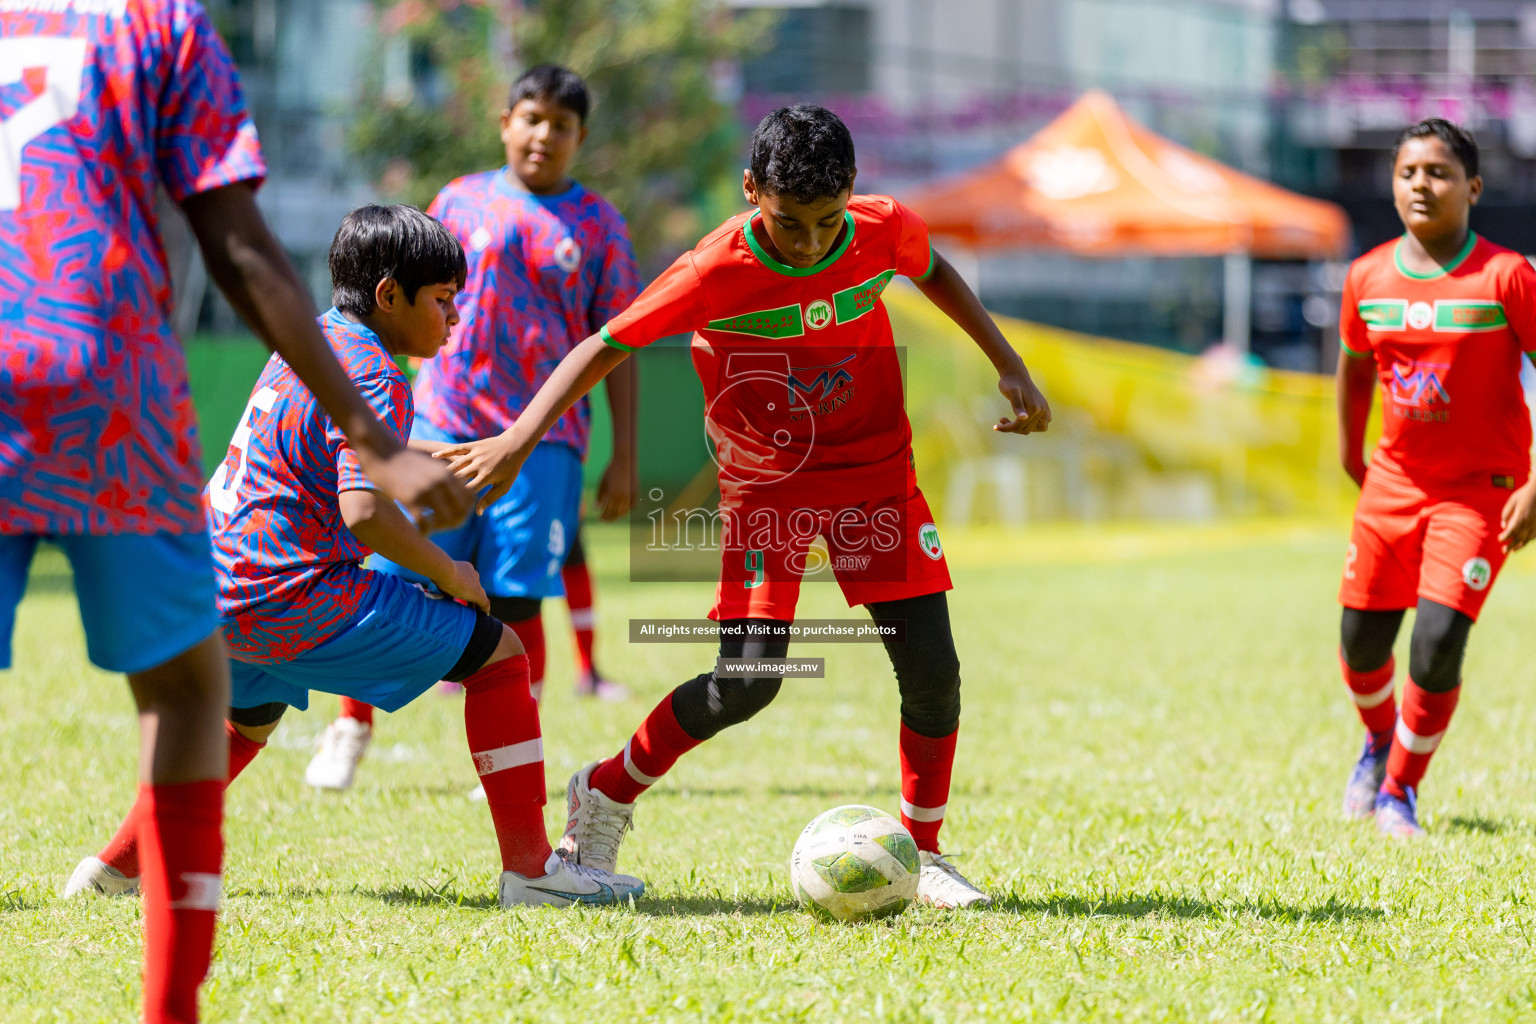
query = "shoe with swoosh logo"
{"x": 564, "y": 884}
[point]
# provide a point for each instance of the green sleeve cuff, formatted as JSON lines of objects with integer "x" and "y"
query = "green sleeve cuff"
{"x": 933, "y": 264}
{"x": 1351, "y": 352}
{"x": 609, "y": 339}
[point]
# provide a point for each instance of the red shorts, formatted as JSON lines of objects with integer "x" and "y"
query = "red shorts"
{"x": 1408, "y": 543}
{"x": 877, "y": 550}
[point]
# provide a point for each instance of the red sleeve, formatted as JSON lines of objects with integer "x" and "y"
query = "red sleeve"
{"x": 1519, "y": 300}
{"x": 390, "y": 399}
{"x": 673, "y": 304}
{"x": 915, "y": 257}
{"x": 1354, "y": 338}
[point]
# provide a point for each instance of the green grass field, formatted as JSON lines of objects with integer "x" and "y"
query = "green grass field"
{"x": 1152, "y": 752}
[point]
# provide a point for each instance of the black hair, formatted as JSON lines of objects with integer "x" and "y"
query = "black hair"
{"x": 1456, "y": 138}
{"x": 378, "y": 242}
{"x": 804, "y": 152}
{"x": 559, "y": 85}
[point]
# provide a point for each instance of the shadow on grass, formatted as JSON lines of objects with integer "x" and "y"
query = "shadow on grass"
{"x": 1157, "y": 905}
{"x": 671, "y": 906}
{"x": 1477, "y": 824}
{"x": 844, "y": 793}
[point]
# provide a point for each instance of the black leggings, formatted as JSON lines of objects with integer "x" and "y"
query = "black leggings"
{"x": 1435, "y": 650}
{"x": 927, "y": 672}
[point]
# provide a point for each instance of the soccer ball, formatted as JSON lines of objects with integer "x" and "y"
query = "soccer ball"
{"x": 854, "y": 863}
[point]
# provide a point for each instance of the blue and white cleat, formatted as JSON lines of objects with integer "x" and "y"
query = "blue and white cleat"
{"x": 1366, "y": 778}
{"x": 564, "y": 883}
{"x": 1398, "y": 817}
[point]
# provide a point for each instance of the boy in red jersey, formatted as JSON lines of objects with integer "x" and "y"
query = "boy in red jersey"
{"x": 1440, "y": 317}
{"x": 803, "y": 395}
{"x": 103, "y": 103}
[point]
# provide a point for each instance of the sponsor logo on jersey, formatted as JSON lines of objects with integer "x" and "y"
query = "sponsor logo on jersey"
{"x": 818, "y": 314}
{"x": 784, "y": 322}
{"x": 1384, "y": 314}
{"x": 1418, "y": 384}
{"x": 829, "y": 378}
{"x": 568, "y": 254}
{"x": 480, "y": 239}
{"x": 1469, "y": 315}
{"x": 1420, "y": 315}
{"x": 852, "y": 303}
{"x": 1477, "y": 573}
{"x": 928, "y": 540}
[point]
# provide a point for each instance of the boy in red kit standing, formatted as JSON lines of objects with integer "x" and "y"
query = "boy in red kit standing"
{"x": 803, "y": 395}
{"x": 105, "y": 103}
{"x": 293, "y": 517}
{"x": 549, "y": 263}
{"x": 1440, "y": 319}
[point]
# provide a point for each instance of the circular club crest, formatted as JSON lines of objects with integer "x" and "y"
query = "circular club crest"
{"x": 818, "y": 314}
{"x": 1420, "y": 315}
{"x": 1477, "y": 573}
{"x": 928, "y": 540}
{"x": 568, "y": 254}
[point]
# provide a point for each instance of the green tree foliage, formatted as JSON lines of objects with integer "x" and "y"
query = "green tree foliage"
{"x": 661, "y": 137}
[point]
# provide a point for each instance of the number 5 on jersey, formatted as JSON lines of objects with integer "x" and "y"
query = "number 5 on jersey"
{"x": 223, "y": 490}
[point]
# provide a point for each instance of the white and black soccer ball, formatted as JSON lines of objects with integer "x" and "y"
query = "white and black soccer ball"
{"x": 854, "y": 863}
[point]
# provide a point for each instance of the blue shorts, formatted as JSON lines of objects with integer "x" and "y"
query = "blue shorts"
{"x": 144, "y": 598}
{"x": 400, "y": 642}
{"x": 519, "y": 546}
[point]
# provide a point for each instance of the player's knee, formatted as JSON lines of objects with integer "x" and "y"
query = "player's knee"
{"x": 1438, "y": 645}
{"x": 705, "y": 704}
{"x": 258, "y": 722}
{"x": 509, "y": 646}
{"x": 930, "y": 692}
{"x": 1366, "y": 638}
{"x": 489, "y": 642}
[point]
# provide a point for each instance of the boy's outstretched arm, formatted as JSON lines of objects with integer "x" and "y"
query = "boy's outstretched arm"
{"x": 250, "y": 267}
{"x": 495, "y": 461}
{"x": 616, "y": 490}
{"x": 379, "y": 524}
{"x": 948, "y": 291}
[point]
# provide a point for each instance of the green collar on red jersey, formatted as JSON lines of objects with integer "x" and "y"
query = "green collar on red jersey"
{"x": 777, "y": 267}
{"x": 1458, "y": 260}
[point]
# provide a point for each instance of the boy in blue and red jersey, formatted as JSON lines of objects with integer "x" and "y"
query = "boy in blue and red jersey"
{"x": 102, "y": 103}
{"x": 802, "y": 387}
{"x": 293, "y": 517}
{"x": 549, "y": 263}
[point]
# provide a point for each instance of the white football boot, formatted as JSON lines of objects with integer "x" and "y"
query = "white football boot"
{"x": 591, "y": 684}
{"x": 940, "y": 884}
{"x": 564, "y": 884}
{"x": 335, "y": 764}
{"x": 594, "y": 825}
{"x": 94, "y": 876}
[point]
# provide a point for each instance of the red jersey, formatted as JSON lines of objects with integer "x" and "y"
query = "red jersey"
{"x": 802, "y": 384}
{"x": 1447, "y": 347}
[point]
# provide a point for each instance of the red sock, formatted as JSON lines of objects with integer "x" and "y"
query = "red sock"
{"x": 578, "y": 597}
{"x": 357, "y": 710}
{"x": 925, "y": 767}
{"x": 179, "y": 832}
{"x": 501, "y": 719}
{"x": 531, "y": 632}
{"x": 1372, "y": 693}
{"x": 122, "y": 852}
{"x": 650, "y": 753}
{"x": 1424, "y": 720}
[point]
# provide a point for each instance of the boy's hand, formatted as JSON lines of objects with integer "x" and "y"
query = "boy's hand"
{"x": 617, "y": 487}
{"x": 1519, "y": 518}
{"x": 464, "y": 584}
{"x": 488, "y": 462}
{"x": 1356, "y": 467}
{"x": 428, "y": 489}
{"x": 1031, "y": 412}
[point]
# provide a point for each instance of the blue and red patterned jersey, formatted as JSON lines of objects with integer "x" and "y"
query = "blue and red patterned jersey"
{"x": 290, "y": 572}
{"x": 105, "y": 101}
{"x": 545, "y": 273}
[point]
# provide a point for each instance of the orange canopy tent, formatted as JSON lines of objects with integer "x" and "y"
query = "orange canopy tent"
{"x": 1095, "y": 182}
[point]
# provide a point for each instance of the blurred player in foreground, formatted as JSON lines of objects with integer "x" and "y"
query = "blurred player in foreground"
{"x": 293, "y": 517}
{"x": 104, "y": 103}
{"x": 1440, "y": 318}
{"x": 549, "y": 263}
{"x": 803, "y": 393}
